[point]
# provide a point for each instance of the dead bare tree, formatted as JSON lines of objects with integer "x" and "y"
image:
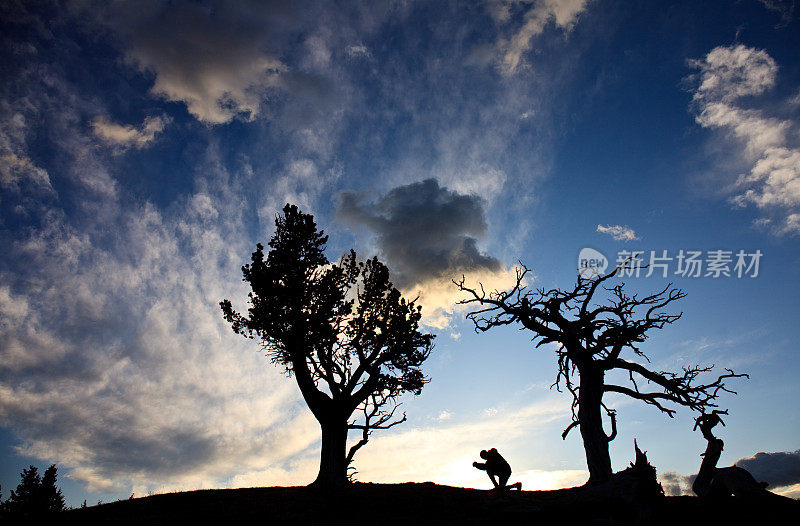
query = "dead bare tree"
{"x": 592, "y": 338}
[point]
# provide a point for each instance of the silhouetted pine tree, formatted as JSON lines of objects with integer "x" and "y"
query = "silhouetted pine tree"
{"x": 345, "y": 333}
{"x": 52, "y": 498}
{"x": 23, "y": 499}
{"x": 35, "y": 495}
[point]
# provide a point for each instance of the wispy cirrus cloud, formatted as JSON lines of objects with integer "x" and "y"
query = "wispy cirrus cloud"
{"x": 17, "y": 169}
{"x": 120, "y": 367}
{"x": 120, "y": 373}
{"x": 787, "y": 9}
{"x": 536, "y": 15}
{"x": 618, "y": 232}
{"x": 116, "y": 363}
{"x": 730, "y": 78}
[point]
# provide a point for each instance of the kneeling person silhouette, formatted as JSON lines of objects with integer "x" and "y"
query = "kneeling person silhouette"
{"x": 496, "y": 466}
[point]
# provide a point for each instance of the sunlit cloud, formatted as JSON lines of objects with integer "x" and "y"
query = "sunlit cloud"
{"x": 440, "y": 297}
{"x": 793, "y": 492}
{"x": 171, "y": 405}
{"x": 215, "y": 61}
{"x": 127, "y": 136}
{"x": 563, "y": 14}
{"x": 729, "y": 74}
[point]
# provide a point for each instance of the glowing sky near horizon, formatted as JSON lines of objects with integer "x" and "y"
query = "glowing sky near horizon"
{"x": 145, "y": 148}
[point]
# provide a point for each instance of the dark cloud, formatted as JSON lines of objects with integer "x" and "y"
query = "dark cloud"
{"x": 778, "y": 469}
{"x": 423, "y": 230}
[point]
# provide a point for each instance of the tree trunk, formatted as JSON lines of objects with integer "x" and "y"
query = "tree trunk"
{"x": 332, "y": 463}
{"x": 595, "y": 441}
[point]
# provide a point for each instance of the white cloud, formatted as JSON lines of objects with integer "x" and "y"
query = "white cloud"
{"x": 757, "y": 132}
{"x": 124, "y": 371}
{"x": 125, "y": 135}
{"x": 790, "y": 225}
{"x": 727, "y": 77}
{"x": 562, "y": 13}
{"x": 730, "y": 72}
{"x": 15, "y": 170}
{"x": 776, "y": 178}
{"x": 358, "y": 50}
{"x": 618, "y": 232}
{"x": 301, "y": 182}
{"x": 481, "y": 179}
{"x": 170, "y": 388}
{"x": 43, "y": 105}
{"x": 795, "y": 101}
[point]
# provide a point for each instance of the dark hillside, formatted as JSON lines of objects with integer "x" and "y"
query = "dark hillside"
{"x": 426, "y": 503}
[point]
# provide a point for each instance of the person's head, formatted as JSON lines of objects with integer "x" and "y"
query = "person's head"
{"x": 484, "y": 454}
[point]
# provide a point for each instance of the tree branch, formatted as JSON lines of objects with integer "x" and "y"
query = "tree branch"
{"x": 569, "y": 428}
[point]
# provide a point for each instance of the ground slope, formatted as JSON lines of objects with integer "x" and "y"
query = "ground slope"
{"x": 427, "y": 503}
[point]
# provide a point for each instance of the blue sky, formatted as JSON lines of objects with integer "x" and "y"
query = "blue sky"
{"x": 145, "y": 148}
